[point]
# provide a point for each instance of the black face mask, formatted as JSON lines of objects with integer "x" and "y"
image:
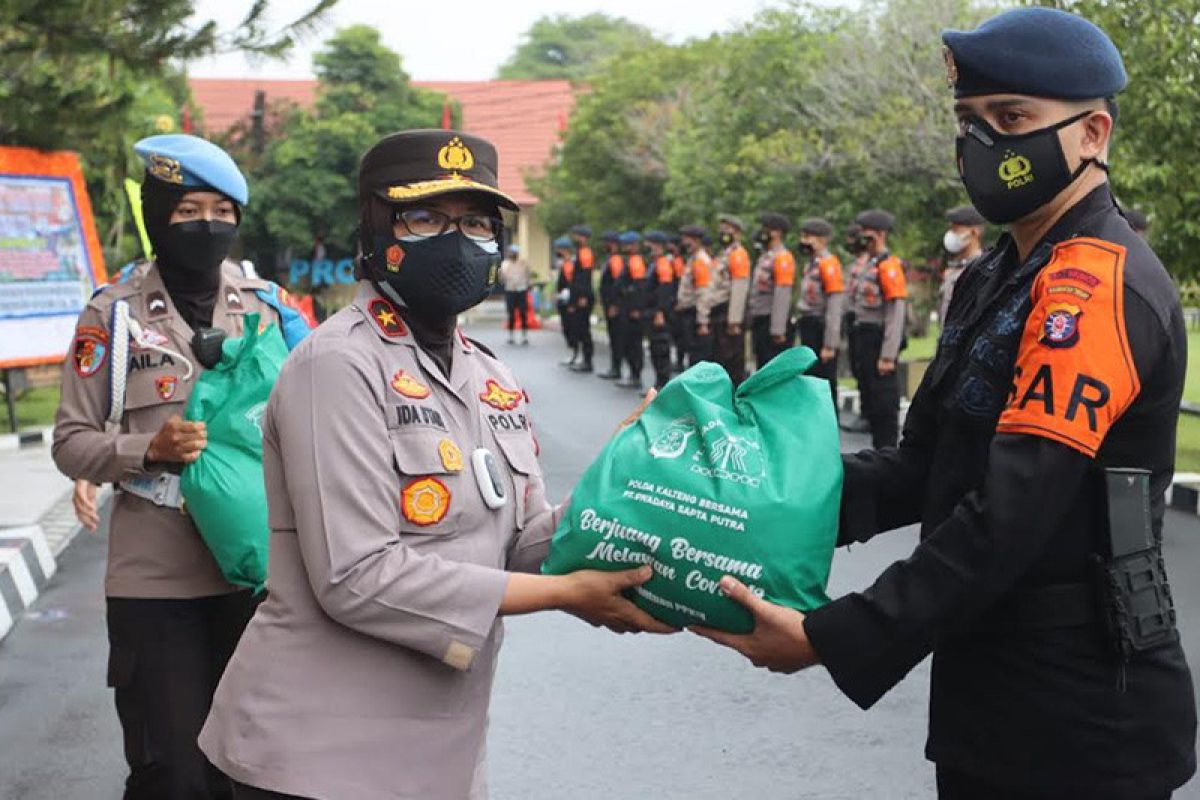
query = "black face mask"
{"x": 440, "y": 276}
{"x": 806, "y": 249}
{"x": 1010, "y": 177}
{"x": 763, "y": 238}
{"x": 196, "y": 247}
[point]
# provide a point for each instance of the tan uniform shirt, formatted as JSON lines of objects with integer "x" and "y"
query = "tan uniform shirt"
{"x": 514, "y": 274}
{"x": 730, "y": 285}
{"x": 880, "y": 298}
{"x": 822, "y": 294}
{"x": 367, "y": 672}
{"x": 697, "y": 273}
{"x": 153, "y": 551}
{"x": 771, "y": 288}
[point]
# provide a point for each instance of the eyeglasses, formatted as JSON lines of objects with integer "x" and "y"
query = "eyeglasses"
{"x": 426, "y": 222}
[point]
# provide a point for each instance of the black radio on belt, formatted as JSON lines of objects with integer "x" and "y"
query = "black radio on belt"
{"x": 206, "y": 345}
{"x": 1137, "y": 597}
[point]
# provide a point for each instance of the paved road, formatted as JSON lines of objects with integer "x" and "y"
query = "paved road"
{"x": 578, "y": 714}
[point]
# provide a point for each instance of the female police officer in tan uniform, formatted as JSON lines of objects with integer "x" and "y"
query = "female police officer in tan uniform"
{"x": 406, "y": 502}
{"x": 173, "y": 620}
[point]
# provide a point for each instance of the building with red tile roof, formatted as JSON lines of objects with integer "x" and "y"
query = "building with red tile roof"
{"x": 523, "y": 119}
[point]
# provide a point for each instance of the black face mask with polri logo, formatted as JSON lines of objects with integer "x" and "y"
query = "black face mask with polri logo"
{"x": 1009, "y": 177}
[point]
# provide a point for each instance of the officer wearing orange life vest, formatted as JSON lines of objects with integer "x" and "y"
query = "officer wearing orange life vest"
{"x": 1036, "y": 457}
{"x": 822, "y": 298}
{"x": 632, "y": 291}
{"x": 770, "y": 303}
{"x": 661, "y": 285}
{"x": 613, "y": 268}
{"x": 407, "y": 512}
{"x": 564, "y": 262}
{"x": 721, "y": 309}
{"x": 693, "y": 283}
{"x": 583, "y": 295}
{"x": 675, "y": 251}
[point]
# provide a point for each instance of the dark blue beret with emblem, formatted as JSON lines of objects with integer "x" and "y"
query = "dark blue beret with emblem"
{"x": 658, "y": 237}
{"x": 630, "y": 237}
{"x": 582, "y": 230}
{"x": 563, "y": 243}
{"x": 610, "y": 236}
{"x": 1041, "y": 52}
{"x": 193, "y": 163}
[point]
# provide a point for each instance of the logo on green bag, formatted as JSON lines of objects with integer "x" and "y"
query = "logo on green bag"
{"x": 721, "y": 455}
{"x": 254, "y": 415}
{"x": 673, "y": 441}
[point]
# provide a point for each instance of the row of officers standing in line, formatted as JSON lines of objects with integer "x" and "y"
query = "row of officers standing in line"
{"x": 696, "y": 300}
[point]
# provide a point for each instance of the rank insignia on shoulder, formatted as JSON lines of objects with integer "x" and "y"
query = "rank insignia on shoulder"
{"x": 166, "y": 385}
{"x": 500, "y": 398}
{"x": 89, "y": 351}
{"x": 425, "y": 501}
{"x": 156, "y": 304}
{"x": 452, "y": 458}
{"x": 1061, "y": 327}
{"x": 233, "y": 299}
{"x": 408, "y": 386}
{"x": 386, "y": 317}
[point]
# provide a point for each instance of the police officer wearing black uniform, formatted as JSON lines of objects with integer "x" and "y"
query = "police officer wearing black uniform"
{"x": 582, "y": 296}
{"x": 613, "y": 266}
{"x": 565, "y": 265}
{"x": 660, "y": 298}
{"x": 1036, "y": 456}
{"x": 632, "y": 287}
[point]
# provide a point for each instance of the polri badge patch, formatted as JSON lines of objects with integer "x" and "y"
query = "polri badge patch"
{"x": 166, "y": 385}
{"x": 408, "y": 386}
{"x": 425, "y": 501}
{"x": 1061, "y": 328}
{"x": 89, "y": 351}
{"x": 452, "y": 457}
{"x": 500, "y": 398}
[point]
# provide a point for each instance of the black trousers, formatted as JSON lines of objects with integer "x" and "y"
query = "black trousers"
{"x": 954, "y": 785}
{"x": 633, "y": 337}
{"x": 697, "y": 348}
{"x": 879, "y": 394}
{"x": 565, "y": 313}
{"x": 517, "y": 305}
{"x": 660, "y": 350}
{"x": 616, "y": 336}
{"x": 729, "y": 350}
{"x": 763, "y": 343}
{"x": 681, "y": 336}
{"x": 581, "y": 324}
{"x": 165, "y": 659}
{"x": 812, "y": 335}
{"x": 242, "y": 791}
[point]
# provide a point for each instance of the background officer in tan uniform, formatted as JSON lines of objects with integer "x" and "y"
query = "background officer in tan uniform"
{"x": 821, "y": 301}
{"x": 772, "y": 282}
{"x": 721, "y": 309}
{"x": 173, "y": 620}
{"x": 407, "y": 509}
{"x": 879, "y": 302}
{"x": 697, "y": 273}
{"x": 964, "y": 242}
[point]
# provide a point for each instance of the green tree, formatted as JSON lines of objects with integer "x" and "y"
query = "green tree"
{"x": 303, "y": 186}
{"x": 94, "y": 75}
{"x": 1154, "y": 165}
{"x": 572, "y": 47}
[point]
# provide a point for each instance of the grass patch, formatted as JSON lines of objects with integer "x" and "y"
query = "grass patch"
{"x": 1187, "y": 444}
{"x": 1191, "y": 385}
{"x": 35, "y": 408}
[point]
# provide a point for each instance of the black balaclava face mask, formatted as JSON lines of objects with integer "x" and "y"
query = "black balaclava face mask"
{"x": 1009, "y": 177}
{"x": 188, "y": 254}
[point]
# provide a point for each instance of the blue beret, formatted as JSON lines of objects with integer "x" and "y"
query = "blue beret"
{"x": 582, "y": 230}
{"x": 657, "y": 237}
{"x": 193, "y": 163}
{"x": 694, "y": 231}
{"x": 1042, "y": 52}
{"x": 610, "y": 236}
{"x": 630, "y": 237}
{"x": 563, "y": 243}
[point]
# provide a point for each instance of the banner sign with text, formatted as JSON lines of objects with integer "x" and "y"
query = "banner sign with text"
{"x": 50, "y": 259}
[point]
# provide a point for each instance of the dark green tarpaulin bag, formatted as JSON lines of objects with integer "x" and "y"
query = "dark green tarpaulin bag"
{"x": 709, "y": 482}
{"x": 223, "y": 489}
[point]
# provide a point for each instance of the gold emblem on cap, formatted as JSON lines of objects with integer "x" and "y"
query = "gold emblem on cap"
{"x": 951, "y": 67}
{"x": 165, "y": 169}
{"x": 456, "y": 156}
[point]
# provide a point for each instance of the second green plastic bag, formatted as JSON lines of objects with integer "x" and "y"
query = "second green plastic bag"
{"x": 711, "y": 482}
{"x": 224, "y": 488}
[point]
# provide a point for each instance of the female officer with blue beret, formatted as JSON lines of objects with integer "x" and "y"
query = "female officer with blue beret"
{"x": 1035, "y": 457}
{"x": 407, "y": 511}
{"x": 140, "y": 345}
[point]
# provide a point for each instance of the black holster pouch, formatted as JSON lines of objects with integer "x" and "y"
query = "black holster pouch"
{"x": 1135, "y": 594}
{"x": 206, "y": 346}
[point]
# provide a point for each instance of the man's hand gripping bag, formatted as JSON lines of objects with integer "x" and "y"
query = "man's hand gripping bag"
{"x": 223, "y": 489}
{"x": 711, "y": 482}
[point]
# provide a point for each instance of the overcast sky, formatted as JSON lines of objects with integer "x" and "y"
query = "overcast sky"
{"x": 466, "y": 39}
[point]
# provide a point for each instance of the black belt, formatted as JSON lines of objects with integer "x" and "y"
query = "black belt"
{"x": 1041, "y": 608}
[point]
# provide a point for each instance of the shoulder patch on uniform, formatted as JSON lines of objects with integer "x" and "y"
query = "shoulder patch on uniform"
{"x": 89, "y": 350}
{"x": 1075, "y": 375}
{"x": 425, "y": 501}
{"x": 408, "y": 386}
{"x": 386, "y": 318}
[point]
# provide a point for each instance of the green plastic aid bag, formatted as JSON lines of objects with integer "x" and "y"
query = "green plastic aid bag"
{"x": 711, "y": 482}
{"x": 223, "y": 489}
